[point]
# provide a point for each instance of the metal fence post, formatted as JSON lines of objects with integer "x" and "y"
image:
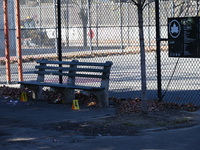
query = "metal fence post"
{"x": 59, "y": 39}
{"x": 121, "y": 28}
{"x": 89, "y": 24}
{"x": 158, "y": 50}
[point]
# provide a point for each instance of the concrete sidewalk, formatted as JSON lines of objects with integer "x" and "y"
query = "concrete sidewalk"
{"x": 22, "y": 127}
{"x": 44, "y": 112}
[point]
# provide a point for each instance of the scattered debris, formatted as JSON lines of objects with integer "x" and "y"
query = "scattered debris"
{"x": 124, "y": 106}
{"x": 127, "y": 106}
{"x": 13, "y": 93}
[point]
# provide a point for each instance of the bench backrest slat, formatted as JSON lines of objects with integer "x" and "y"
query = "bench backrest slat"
{"x": 70, "y": 74}
{"x": 65, "y": 68}
{"x": 74, "y": 69}
{"x": 108, "y": 63}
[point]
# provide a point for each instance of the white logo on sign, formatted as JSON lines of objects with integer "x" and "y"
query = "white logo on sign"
{"x": 174, "y": 28}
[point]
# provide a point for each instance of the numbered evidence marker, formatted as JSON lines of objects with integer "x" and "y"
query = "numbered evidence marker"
{"x": 75, "y": 105}
{"x": 23, "y": 97}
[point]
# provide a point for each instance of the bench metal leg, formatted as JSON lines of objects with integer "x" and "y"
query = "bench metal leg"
{"x": 102, "y": 98}
{"x": 105, "y": 98}
{"x": 39, "y": 92}
{"x": 69, "y": 95}
{"x": 36, "y": 90}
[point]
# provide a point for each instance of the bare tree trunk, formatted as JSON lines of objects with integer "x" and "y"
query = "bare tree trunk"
{"x": 142, "y": 55}
{"x": 84, "y": 22}
{"x": 84, "y": 18}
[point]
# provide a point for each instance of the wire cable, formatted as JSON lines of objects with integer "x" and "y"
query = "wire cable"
{"x": 171, "y": 78}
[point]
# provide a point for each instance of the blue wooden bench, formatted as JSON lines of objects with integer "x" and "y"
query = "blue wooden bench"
{"x": 49, "y": 72}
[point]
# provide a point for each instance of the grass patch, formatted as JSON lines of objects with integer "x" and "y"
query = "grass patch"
{"x": 183, "y": 120}
{"x": 129, "y": 124}
{"x": 161, "y": 123}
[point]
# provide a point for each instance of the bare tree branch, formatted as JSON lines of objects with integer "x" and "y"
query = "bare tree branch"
{"x": 135, "y": 2}
{"x": 149, "y": 2}
{"x": 143, "y": 2}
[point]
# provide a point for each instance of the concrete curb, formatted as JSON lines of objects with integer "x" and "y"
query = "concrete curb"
{"x": 179, "y": 126}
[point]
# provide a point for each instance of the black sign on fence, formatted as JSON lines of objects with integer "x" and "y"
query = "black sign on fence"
{"x": 184, "y": 37}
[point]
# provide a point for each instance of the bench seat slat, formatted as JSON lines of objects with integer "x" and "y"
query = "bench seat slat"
{"x": 49, "y": 84}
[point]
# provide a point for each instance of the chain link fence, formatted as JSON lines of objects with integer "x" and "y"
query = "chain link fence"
{"x": 180, "y": 76}
{"x": 102, "y": 31}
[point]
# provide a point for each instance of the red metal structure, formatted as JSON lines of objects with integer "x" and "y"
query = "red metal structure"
{"x": 18, "y": 41}
{"x": 6, "y": 41}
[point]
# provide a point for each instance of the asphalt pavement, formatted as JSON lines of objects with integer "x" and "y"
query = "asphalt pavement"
{"x": 22, "y": 127}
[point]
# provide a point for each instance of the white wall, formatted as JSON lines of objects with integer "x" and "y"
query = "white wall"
{"x": 11, "y": 22}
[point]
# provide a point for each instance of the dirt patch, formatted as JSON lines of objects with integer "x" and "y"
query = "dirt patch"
{"x": 129, "y": 124}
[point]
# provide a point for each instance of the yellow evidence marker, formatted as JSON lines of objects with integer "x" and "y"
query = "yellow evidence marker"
{"x": 75, "y": 105}
{"x": 23, "y": 97}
